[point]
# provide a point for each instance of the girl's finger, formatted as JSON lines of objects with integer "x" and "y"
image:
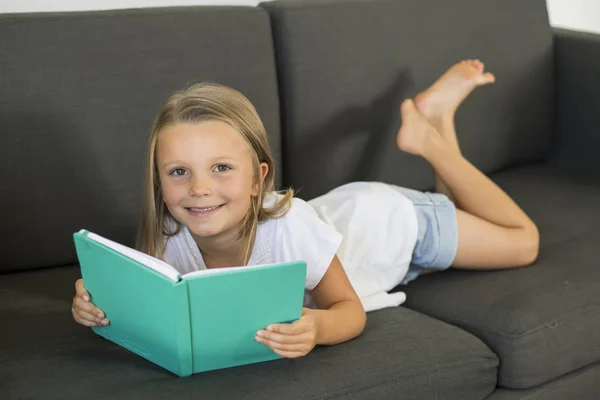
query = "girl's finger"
{"x": 87, "y": 316}
{"x": 296, "y": 347}
{"x": 80, "y": 320}
{"x": 285, "y": 329}
{"x": 295, "y": 328}
{"x": 87, "y": 307}
{"x": 80, "y": 289}
{"x": 278, "y": 337}
{"x": 289, "y": 354}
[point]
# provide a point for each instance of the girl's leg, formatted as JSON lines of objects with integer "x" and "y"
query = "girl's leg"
{"x": 440, "y": 101}
{"x": 493, "y": 232}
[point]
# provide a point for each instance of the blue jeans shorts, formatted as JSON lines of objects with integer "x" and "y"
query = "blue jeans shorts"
{"x": 437, "y": 238}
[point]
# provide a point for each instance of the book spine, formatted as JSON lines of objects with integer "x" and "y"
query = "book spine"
{"x": 183, "y": 327}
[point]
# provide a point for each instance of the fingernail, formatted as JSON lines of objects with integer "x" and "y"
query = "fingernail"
{"x": 259, "y": 333}
{"x": 258, "y": 339}
{"x": 100, "y": 315}
{"x": 86, "y": 298}
{"x": 104, "y": 322}
{"x": 269, "y": 328}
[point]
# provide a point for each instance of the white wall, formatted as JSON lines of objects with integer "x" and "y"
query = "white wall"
{"x": 76, "y": 5}
{"x": 581, "y": 15}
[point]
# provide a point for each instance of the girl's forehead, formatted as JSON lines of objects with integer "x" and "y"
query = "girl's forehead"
{"x": 207, "y": 137}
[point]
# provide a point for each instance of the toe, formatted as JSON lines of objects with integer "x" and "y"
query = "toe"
{"x": 473, "y": 64}
{"x": 486, "y": 78}
{"x": 406, "y": 106}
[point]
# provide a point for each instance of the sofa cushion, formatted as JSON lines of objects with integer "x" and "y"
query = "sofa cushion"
{"x": 542, "y": 321}
{"x": 79, "y": 92}
{"x": 401, "y": 354}
{"x": 581, "y": 384}
{"x": 345, "y": 66}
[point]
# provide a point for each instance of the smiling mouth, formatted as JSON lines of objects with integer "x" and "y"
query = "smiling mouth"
{"x": 203, "y": 209}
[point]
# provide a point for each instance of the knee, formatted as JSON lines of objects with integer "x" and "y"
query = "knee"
{"x": 529, "y": 246}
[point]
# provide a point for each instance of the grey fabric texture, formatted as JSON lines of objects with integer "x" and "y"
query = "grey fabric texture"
{"x": 578, "y": 101}
{"x": 401, "y": 354}
{"x": 79, "y": 95}
{"x": 583, "y": 384}
{"x": 345, "y": 66}
{"x": 543, "y": 321}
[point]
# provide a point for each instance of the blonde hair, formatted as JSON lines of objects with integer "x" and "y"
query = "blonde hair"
{"x": 208, "y": 102}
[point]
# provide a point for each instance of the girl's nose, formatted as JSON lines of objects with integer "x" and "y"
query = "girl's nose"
{"x": 200, "y": 187}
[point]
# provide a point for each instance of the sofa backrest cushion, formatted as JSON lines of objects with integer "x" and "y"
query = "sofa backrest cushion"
{"x": 78, "y": 95}
{"x": 345, "y": 65}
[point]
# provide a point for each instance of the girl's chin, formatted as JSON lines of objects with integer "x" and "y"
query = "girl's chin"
{"x": 201, "y": 231}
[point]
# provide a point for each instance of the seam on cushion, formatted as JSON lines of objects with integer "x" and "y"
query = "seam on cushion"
{"x": 593, "y": 308}
{"x": 123, "y": 12}
{"x": 26, "y": 269}
{"x": 552, "y": 389}
{"x": 298, "y": 7}
{"x": 423, "y": 371}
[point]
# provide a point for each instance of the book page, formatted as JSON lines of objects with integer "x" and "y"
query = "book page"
{"x": 214, "y": 271}
{"x": 151, "y": 262}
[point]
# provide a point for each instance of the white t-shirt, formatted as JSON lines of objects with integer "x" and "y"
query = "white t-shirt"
{"x": 299, "y": 235}
{"x": 370, "y": 226}
{"x": 379, "y": 226}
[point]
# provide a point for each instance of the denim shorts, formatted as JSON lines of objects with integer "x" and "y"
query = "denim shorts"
{"x": 437, "y": 237}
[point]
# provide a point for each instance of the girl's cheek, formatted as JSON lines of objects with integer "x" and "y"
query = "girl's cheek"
{"x": 169, "y": 195}
{"x": 242, "y": 189}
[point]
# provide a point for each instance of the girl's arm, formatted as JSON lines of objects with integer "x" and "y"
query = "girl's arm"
{"x": 340, "y": 317}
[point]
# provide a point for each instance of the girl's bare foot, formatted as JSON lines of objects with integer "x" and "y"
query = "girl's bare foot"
{"x": 448, "y": 92}
{"x": 417, "y": 134}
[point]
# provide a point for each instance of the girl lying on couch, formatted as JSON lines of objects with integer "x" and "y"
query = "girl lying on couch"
{"x": 209, "y": 202}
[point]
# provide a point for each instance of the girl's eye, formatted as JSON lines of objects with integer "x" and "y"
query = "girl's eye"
{"x": 178, "y": 172}
{"x": 222, "y": 168}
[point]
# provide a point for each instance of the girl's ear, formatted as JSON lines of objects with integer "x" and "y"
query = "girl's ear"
{"x": 263, "y": 169}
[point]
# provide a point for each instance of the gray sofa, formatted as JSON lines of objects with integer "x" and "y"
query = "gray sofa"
{"x": 78, "y": 92}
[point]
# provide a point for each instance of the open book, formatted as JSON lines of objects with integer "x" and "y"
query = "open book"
{"x": 189, "y": 323}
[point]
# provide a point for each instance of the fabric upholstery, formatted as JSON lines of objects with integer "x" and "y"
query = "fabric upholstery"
{"x": 577, "y": 102}
{"x": 45, "y": 354}
{"x": 345, "y": 66}
{"x": 79, "y": 92}
{"x": 581, "y": 384}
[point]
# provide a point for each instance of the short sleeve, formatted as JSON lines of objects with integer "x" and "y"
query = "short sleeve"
{"x": 302, "y": 235}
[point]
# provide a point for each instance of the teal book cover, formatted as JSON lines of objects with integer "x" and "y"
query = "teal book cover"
{"x": 190, "y": 323}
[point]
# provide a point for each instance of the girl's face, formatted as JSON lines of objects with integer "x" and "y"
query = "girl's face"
{"x": 206, "y": 176}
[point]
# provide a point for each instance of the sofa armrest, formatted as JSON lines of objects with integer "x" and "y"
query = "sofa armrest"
{"x": 577, "y": 117}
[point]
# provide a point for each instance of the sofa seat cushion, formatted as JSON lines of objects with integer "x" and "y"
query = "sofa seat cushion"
{"x": 402, "y": 353}
{"x": 542, "y": 321}
{"x": 583, "y": 383}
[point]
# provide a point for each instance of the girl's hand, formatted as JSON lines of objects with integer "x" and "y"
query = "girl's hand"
{"x": 84, "y": 312}
{"x": 291, "y": 340}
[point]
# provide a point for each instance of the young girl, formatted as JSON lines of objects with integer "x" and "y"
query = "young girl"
{"x": 209, "y": 203}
